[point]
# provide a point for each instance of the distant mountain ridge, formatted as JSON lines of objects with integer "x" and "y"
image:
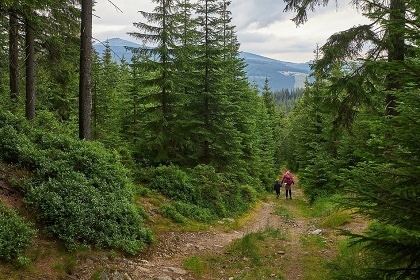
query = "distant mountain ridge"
{"x": 280, "y": 74}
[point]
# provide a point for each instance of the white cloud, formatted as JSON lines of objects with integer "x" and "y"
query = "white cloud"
{"x": 115, "y": 21}
{"x": 262, "y": 26}
{"x": 282, "y": 39}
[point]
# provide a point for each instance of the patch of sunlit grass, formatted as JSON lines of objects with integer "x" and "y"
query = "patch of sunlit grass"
{"x": 350, "y": 263}
{"x": 283, "y": 212}
{"x": 336, "y": 219}
{"x": 196, "y": 265}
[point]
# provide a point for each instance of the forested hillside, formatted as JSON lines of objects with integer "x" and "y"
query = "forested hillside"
{"x": 280, "y": 74}
{"x": 179, "y": 120}
{"x": 87, "y": 144}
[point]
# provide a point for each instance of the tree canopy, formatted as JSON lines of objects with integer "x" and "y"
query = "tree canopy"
{"x": 358, "y": 115}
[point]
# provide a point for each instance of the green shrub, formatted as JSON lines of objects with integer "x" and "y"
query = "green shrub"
{"x": 195, "y": 212}
{"x": 170, "y": 212}
{"x": 75, "y": 210}
{"x": 82, "y": 192}
{"x": 174, "y": 183}
{"x": 201, "y": 193}
{"x": 15, "y": 234}
{"x": 248, "y": 193}
{"x": 223, "y": 193}
{"x": 351, "y": 262}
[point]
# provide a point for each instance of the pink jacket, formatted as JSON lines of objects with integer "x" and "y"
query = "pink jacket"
{"x": 287, "y": 177}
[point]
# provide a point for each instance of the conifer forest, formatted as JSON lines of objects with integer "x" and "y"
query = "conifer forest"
{"x": 87, "y": 136}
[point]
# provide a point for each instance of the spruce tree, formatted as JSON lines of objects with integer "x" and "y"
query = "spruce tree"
{"x": 58, "y": 35}
{"x": 184, "y": 53}
{"x": 216, "y": 135}
{"x": 161, "y": 100}
{"x": 133, "y": 116}
{"x": 13, "y": 54}
{"x": 4, "y": 59}
{"x": 40, "y": 20}
{"x": 30, "y": 70}
{"x": 107, "y": 100}
{"x": 383, "y": 181}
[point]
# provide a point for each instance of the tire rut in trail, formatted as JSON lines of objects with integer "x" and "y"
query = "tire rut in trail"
{"x": 294, "y": 229}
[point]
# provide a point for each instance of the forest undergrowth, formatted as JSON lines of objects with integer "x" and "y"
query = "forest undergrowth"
{"x": 277, "y": 239}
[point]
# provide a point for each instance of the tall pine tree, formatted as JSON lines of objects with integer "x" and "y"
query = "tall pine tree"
{"x": 161, "y": 100}
{"x": 383, "y": 182}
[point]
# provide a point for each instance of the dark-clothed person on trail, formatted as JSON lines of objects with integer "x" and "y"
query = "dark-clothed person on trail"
{"x": 277, "y": 186}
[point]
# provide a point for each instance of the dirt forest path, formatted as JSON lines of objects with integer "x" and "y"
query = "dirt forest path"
{"x": 164, "y": 260}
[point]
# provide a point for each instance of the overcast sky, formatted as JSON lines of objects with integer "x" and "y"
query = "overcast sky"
{"x": 261, "y": 25}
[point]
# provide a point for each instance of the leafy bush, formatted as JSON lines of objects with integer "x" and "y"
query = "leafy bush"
{"x": 77, "y": 211}
{"x": 171, "y": 212}
{"x": 201, "y": 193}
{"x": 195, "y": 212}
{"x": 174, "y": 183}
{"x": 15, "y": 234}
{"x": 81, "y": 191}
{"x": 351, "y": 262}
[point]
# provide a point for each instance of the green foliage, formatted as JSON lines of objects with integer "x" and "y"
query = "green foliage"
{"x": 286, "y": 99}
{"x": 171, "y": 212}
{"x": 174, "y": 183}
{"x": 109, "y": 100}
{"x": 75, "y": 210}
{"x": 190, "y": 102}
{"x": 377, "y": 163}
{"x": 325, "y": 206}
{"x": 181, "y": 211}
{"x": 195, "y": 212}
{"x": 195, "y": 265}
{"x": 23, "y": 262}
{"x": 351, "y": 262}
{"x": 311, "y": 142}
{"x": 81, "y": 191}
{"x": 202, "y": 194}
{"x": 385, "y": 187}
{"x": 247, "y": 247}
{"x": 16, "y": 234}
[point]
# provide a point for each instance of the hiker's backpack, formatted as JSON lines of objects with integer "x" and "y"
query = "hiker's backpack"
{"x": 288, "y": 179}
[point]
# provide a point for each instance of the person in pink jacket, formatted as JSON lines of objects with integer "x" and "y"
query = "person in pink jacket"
{"x": 287, "y": 181}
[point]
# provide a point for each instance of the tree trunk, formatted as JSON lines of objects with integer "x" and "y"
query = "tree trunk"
{"x": 85, "y": 95}
{"x": 13, "y": 56}
{"x": 30, "y": 72}
{"x": 95, "y": 110}
{"x": 396, "y": 51}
